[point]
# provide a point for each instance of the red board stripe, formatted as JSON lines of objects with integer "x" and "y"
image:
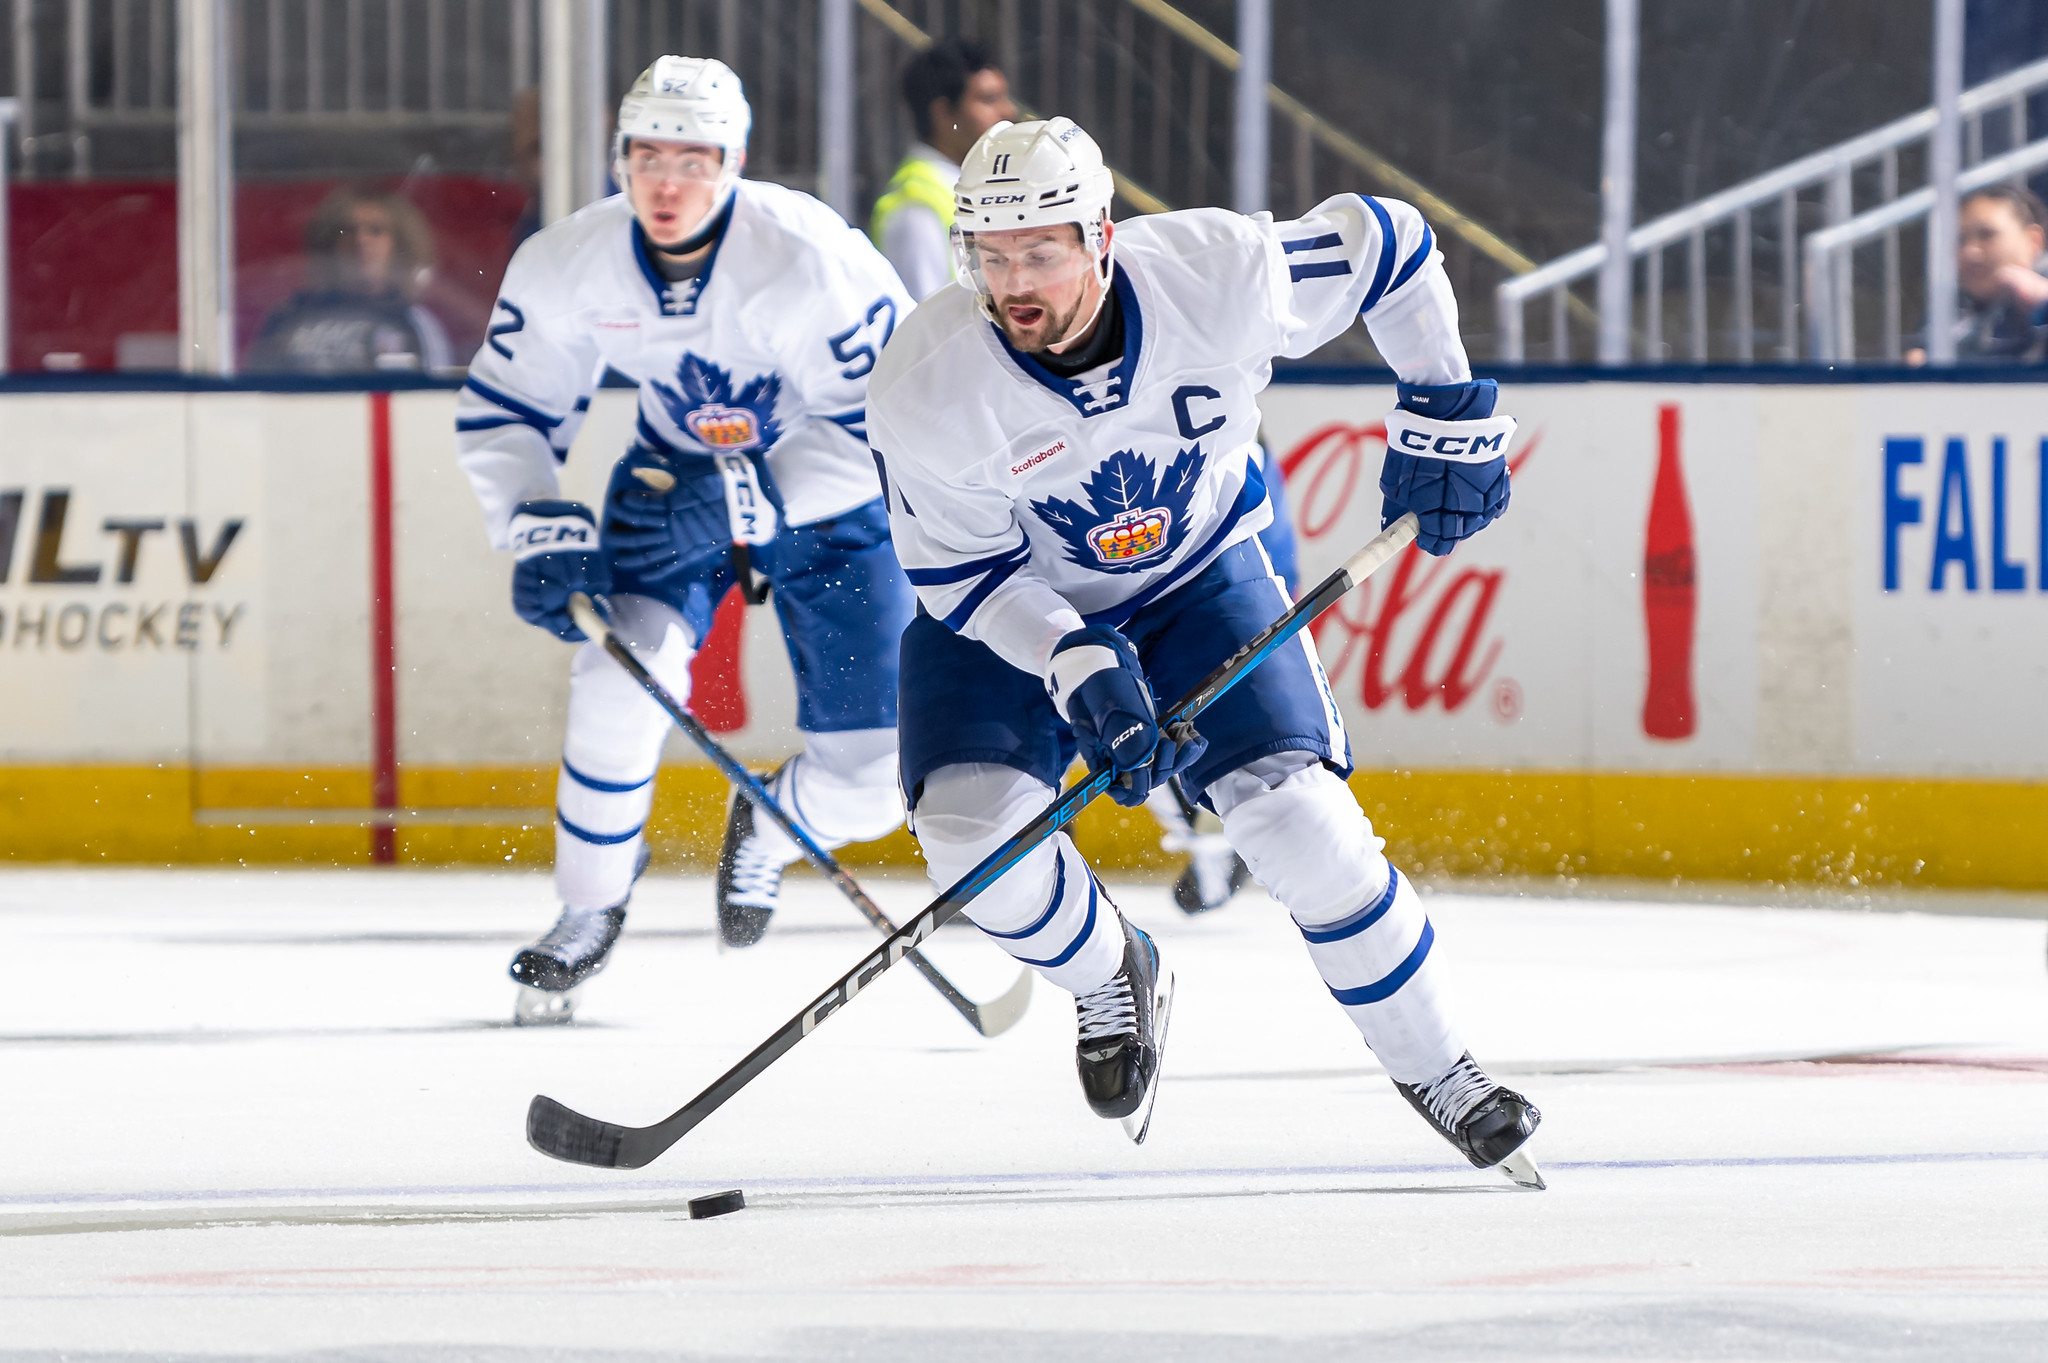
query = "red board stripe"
{"x": 383, "y": 635}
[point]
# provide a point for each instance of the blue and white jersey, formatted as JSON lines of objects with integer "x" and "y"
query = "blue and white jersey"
{"x": 766, "y": 353}
{"x": 1023, "y": 505}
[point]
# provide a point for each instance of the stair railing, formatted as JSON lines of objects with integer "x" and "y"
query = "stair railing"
{"x": 1771, "y": 199}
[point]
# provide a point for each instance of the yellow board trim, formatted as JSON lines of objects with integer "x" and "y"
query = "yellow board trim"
{"x": 1842, "y": 830}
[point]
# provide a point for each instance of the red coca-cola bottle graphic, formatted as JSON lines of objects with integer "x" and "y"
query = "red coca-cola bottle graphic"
{"x": 1670, "y": 592}
{"x": 717, "y": 695}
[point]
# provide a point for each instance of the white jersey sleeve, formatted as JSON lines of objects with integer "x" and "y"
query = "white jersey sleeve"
{"x": 1353, "y": 256}
{"x": 528, "y": 389}
{"x": 969, "y": 559}
{"x": 851, "y": 302}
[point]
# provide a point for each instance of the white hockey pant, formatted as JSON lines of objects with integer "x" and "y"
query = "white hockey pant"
{"x": 842, "y": 788}
{"x": 1046, "y": 910}
{"x": 1304, "y": 837}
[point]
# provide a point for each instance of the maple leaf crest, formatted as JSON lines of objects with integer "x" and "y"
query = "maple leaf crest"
{"x": 704, "y": 406}
{"x": 1134, "y": 518}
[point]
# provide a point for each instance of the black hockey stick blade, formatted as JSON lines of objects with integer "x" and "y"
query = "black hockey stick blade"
{"x": 568, "y": 1135}
{"x": 990, "y": 1019}
{"x": 560, "y": 1131}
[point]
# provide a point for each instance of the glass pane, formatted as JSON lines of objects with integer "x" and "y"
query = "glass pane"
{"x": 385, "y": 155}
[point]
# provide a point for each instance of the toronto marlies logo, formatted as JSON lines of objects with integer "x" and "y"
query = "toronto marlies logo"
{"x": 704, "y": 404}
{"x": 1132, "y": 519}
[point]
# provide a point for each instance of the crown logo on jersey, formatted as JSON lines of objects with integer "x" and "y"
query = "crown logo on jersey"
{"x": 722, "y": 428}
{"x": 1131, "y": 536}
{"x": 703, "y": 403}
{"x": 1134, "y": 517}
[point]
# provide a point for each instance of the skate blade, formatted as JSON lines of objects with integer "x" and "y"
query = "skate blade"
{"x": 543, "y": 1008}
{"x": 1139, "y": 1123}
{"x": 1522, "y": 1170}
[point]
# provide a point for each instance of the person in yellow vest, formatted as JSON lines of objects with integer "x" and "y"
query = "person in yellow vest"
{"x": 955, "y": 94}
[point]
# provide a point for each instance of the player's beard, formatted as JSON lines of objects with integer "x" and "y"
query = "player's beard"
{"x": 1052, "y": 327}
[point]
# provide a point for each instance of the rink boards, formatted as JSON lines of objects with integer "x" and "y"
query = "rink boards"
{"x": 1729, "y": 629}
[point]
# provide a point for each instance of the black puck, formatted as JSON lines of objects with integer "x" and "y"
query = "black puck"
{"x": 717, "y": 1204}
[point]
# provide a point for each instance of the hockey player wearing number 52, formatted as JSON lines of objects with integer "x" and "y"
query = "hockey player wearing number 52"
{"x": 750, "y": 316}
{"x": 1066, "y": 440}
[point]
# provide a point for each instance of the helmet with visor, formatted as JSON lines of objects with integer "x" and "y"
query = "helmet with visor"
{"x": 695, "y": 101}
{"x": 1019, "y": 179}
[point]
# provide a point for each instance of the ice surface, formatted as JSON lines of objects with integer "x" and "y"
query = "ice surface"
{"x": 252, "y": 1112}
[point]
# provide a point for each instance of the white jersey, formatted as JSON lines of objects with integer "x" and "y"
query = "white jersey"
{"x": 1024, "y": 505}
{"x": 766, "y": 353}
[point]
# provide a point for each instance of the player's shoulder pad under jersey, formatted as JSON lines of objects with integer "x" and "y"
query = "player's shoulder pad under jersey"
{"x": 795, "y": 242}
{"x": 557, "y": 262}
{"x": 1199, "y": 236}
{"x": 937, "y": 335}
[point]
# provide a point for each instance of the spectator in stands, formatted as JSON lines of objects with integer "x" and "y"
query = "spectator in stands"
{"x": 2002, "y": 271}
{"x": 367, "y": 258}
{"x": 955, "y": 94}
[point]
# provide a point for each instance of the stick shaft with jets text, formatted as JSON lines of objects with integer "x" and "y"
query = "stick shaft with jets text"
{"x": 556, "y": 1130}
{"x": 990, "y": 1020}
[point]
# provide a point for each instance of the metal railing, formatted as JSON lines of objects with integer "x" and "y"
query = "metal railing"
{"x": 82, "y": 67}
{"x": 1830, "y": 299}
{"x": 1153, "y": 85}
{"x": 1771, "y": 202}
{"x": 1311, "y": 131}
{"x": 1151, "y": 82}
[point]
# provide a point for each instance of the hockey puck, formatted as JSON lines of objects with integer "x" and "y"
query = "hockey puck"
{"x": 717, "y": 1204}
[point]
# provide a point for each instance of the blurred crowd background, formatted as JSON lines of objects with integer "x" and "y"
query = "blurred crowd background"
{"x": 388, "y": 155}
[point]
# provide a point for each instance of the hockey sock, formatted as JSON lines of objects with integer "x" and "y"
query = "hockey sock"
{"x": 1307, "y": 841}
{"x": 1046, "y": 910}
{"x": 609, "y": 755}
{"x": 844, "y": 788}
{"x": 841, "y": 788}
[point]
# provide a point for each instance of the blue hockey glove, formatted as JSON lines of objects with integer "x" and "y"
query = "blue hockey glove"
{"x": 555, "y": 544}
{"x": 1099, "y": 687}
{"x": 1446, "y": 461}
{"x": 659, "y": 520}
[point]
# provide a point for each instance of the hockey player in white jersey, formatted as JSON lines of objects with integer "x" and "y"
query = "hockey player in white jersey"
{"x": 1066, "y": 440}
{"x": 750, "y": 316}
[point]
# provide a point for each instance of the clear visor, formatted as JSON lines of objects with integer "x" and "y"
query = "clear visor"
{"x": 1022, "y": 264}
{"x": 652, "y": 162}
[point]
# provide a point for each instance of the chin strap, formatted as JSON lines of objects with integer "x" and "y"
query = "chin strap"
{"x": 1081, "y": 325}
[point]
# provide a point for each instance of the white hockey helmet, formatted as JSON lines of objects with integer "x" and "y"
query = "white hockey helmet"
{"x": 1038, "y": 174}
{"x": 687, "y": 99}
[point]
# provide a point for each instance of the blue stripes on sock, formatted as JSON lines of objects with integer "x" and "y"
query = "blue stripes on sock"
{"x": 1357, "y": 922}
{"x": 1386, "y": 987}
{"x": 596, "y": 839}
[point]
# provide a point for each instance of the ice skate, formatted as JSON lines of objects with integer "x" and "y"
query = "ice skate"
{"x": 551, "y": 971}
{"x": 1123, "y": 1036}
{"x": 749, "y": 871}
{"x": 1490, "y": 1125}
{"x": 1213, "y": 875}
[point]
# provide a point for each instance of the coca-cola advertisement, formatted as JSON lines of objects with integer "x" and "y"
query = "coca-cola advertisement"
{"x": 1608, "y": 620}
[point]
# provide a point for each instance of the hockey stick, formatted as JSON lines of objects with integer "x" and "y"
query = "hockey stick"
{"x": 566, "y": 1134}
{"x": 990, "y": 1019}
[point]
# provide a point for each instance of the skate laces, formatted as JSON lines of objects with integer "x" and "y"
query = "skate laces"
{"x": 1108, "y": 1010}
{"x": 756, "y": 873}
{"x": 1451, "y": 1098}
{"x": 576, "y": 934}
